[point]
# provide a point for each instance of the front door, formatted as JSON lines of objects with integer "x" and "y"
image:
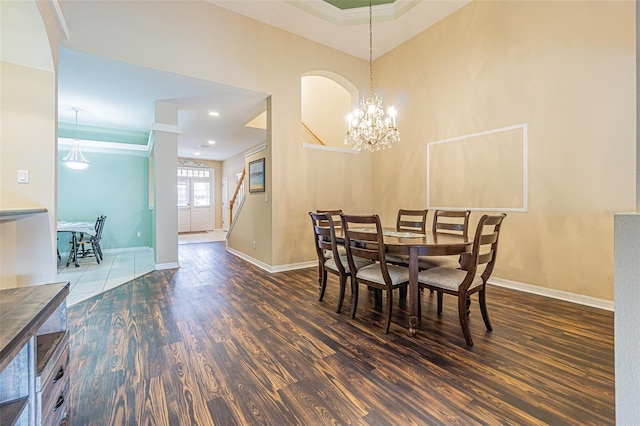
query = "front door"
{"x": 195, "y": 209}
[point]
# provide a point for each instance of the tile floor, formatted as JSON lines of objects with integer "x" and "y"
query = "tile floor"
{"x": 117, "y": 268}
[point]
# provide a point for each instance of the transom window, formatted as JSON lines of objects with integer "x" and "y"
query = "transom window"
{"x": 193, "y": 173}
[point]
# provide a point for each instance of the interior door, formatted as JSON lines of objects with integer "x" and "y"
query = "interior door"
{"x": 184, "y": 205}
{"x": 225, "y": 203}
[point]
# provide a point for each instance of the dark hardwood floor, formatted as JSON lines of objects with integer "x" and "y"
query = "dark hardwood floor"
{"x": 220, "y": 341}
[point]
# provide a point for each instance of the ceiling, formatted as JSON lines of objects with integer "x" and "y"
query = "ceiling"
{"x": 121, "y": 96}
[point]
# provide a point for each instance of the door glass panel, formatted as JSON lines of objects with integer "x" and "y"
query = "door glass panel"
{"x": 201, "y": 194}
{"x": 183, "y": 194}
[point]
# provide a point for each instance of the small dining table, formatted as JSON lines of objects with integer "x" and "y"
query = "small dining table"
{"x": 415, "y": 245}
{"x": 74, "y": 228}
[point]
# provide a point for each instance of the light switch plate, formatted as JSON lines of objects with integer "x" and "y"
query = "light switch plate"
{"x": 23, "y": 176}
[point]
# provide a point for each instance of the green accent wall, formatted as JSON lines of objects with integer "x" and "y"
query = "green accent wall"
{"x": 115, "y": 185}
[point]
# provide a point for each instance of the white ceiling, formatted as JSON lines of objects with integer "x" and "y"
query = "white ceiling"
{"x": 122, "y": 96}
{"x": 347, "y": 30}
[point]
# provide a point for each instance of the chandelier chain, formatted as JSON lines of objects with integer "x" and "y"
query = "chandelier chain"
{"x": 370, "y": 47}
{"x": 368, "y": 127}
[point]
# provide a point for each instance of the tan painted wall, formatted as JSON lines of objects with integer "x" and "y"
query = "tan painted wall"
{"x": 565, "y": 68}
{"x": 325, "y": 105}
{"x": 229, "y": 48}
{"x": 28, "y": 90}
{"x": 27, "y": 142}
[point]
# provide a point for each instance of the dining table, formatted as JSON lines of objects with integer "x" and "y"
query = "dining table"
{"x": 75, "y": 228}
{"x": 415, "y": 245}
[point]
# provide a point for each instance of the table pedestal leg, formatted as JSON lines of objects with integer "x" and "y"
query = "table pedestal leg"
{"x": 413, "y": 325}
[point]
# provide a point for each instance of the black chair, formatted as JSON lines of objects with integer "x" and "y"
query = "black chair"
{"x": 91, "y": 246}
{"x": 466, "y": 281}
{"x": 369, "y": 244}
{"x": 330, "y": 259}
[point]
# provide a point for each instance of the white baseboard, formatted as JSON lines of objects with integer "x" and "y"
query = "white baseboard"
{"x": 125, "y": 249}
{"x": 514, "y": 285}
{"x": 269, "y": 268}
{"x": 169, "y": 265}
{"x": 250, "y": 259}
{"x": 555, "y": 294}
{"x": 294, "y": 266}
{"x": 116, "y": 250}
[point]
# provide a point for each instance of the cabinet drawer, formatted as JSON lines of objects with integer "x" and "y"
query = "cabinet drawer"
{"x": 56, "y": 382}
{"x": 57, "y": 412}
{"x": 50, "y": 350}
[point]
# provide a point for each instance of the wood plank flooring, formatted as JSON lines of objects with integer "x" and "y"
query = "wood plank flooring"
{"x": 222, "y": 342}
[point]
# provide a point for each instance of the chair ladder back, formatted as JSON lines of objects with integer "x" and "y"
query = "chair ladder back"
{"x": 485, "y": 258}
{"x": 335, "y": 215}
{"x": 99, "y": 227}
{"x": 365, "y": 244}
{"x": 412, "y": 220}
{"x": 326, "y": 241}
{"x": 449, "y": 226}
{"x": 486, "y": 235}
{"x": 491, "y": 239}
{"x": 321, "y": 230}
{"x": 96, "y": 226}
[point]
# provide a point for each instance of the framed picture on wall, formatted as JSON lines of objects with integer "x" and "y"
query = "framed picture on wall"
{"x": 256, "y": 175}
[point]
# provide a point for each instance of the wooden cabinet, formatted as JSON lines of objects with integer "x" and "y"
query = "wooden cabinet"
{"x": 34, "y": 356}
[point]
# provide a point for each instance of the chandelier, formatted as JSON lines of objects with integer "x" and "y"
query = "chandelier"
{"x": 74, "y": 159}
{"x": 368, "y": 126}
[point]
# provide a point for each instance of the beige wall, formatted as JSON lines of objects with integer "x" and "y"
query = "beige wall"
{"x": 28, "y": 142}
{"x": 325, "y": 105}
{"x": 565, "y": 68}
{"x": 231, "y": 49}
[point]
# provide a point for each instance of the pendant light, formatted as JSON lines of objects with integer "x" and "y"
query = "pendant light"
{"x": 74, "y": 159}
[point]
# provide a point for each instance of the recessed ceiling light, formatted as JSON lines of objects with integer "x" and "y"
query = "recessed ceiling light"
{"x": 214, "y": 113}
{"x": 211, "y": 142}
{"x": 196, "y": 153}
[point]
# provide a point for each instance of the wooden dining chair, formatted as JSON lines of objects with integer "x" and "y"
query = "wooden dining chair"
{"x": 330, "y": 260}
{"x": 369, "y": 244}
{"x": 408, "y": 221}
{"x": 337, "y": 224}
{"x": 466, "y": 281}
{"x": 449, "y": 221}
{"x": 335, "y": 215}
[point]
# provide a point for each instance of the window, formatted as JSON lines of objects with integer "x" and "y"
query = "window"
{"x": 201, "y": 194}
